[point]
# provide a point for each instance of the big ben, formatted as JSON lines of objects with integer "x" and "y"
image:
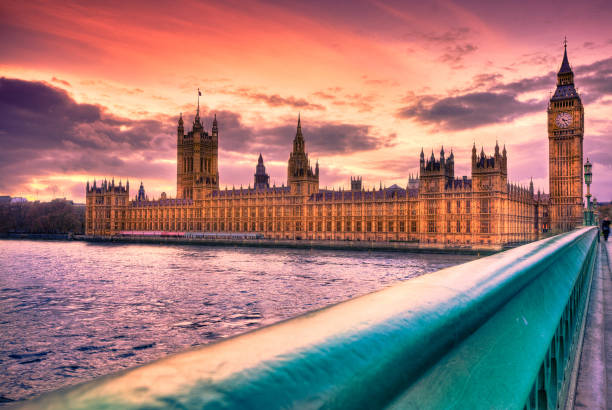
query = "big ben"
{"x": 565, "y": 136}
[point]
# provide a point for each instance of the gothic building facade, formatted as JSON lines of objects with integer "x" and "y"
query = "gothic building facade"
{"x": 436, "y": 208}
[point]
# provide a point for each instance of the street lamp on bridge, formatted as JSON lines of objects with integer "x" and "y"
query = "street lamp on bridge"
{"x": 588, "y": 178}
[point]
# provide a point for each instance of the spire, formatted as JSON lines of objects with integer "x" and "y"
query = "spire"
{"x": 196, "y": 120}
{"x": 215, "y": 129}
{"x": 199, "y": 94}
{"x": 565, "y": 66}
{"x": 299, "y": 126}
{"x": 298, "y": 141}
{"x": 260, "y": 160}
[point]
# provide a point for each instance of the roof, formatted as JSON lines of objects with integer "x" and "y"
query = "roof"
{"x": 564, "y": 92}
{"x": 565, "y": 66}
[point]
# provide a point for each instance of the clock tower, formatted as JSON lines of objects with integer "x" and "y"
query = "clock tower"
{"x": 565, "y": 135}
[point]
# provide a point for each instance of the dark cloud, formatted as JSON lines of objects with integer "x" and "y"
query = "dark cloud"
{"x": 526, "y": 84}
{"x": 378, "y": 81}
{"x": 497, "y": 102}
{"x": 322, "y": 138}
{"x": 449, "y": 36}
{"x": 324, "y": 95}
{"x": 453, "y": 42}
{"x": 594, "y": 81}
{"x": 44, "y": 132}
{"x": 469, "y": 110}
{"x": 454, "y": 55}
{"x": 62, "y": 82}
{"x": 486, "y": 79}
{"x": 276, "y": 100}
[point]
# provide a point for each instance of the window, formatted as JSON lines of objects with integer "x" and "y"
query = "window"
{"x": 467, "y": 226}
{"x": 448, "y": 208}
{"x": 431, "y": 226}
{"x": 448, "y": 225}
{"x": 484, "y": 206}
{"x": 431, "y": 207}
{"x": 413, "y": 226}
{"x": 468, "y": 207}
{"x": 458, "y": 226}
{"x": 484, "y": 226}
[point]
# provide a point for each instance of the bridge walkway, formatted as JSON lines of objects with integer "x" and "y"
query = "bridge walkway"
{"x": 594, "y": 375}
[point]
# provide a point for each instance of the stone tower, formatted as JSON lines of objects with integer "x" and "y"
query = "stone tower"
{"x": 490, "y": 173}
{"x": 197, "y": 166}
{"x": 436, "y": 175}
{"x": 565, "y": 136}
{"x": 300, "y": 176}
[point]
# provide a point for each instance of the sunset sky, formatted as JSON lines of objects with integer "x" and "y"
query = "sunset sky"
{"x": 94, "y": 89}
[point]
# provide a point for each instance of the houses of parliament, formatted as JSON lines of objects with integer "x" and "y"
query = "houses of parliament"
{"x": 434, "y": 209}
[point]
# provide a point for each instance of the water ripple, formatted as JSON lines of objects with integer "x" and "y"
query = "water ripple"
{"x": 72, "y": 311}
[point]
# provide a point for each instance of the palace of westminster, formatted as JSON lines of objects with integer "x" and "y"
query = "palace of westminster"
{"x": 434, "y": 209}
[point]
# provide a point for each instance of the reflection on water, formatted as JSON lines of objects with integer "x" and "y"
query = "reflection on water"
{"x": 71, "y": 311}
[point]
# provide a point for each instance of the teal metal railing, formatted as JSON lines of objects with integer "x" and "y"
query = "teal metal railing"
{"x": 497, "y": 332}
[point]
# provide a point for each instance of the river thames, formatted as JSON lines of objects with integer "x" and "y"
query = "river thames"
{"x": 72, "y": 311}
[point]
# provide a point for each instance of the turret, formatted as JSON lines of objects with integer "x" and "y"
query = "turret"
{"x": 262, "y": 180}
{"x": 422, "y": 160}
{"x": 215, "y": 129}
{"x": 181, "y": 127}
{"x": 141, "y": 193}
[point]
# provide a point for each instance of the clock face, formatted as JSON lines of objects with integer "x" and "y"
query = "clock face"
{"x": 564, "y": 119}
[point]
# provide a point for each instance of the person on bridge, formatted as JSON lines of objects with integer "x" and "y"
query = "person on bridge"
{"x": 605, "y": 228}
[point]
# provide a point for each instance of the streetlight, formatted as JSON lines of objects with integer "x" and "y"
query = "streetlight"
{"x": 588, "y": 178}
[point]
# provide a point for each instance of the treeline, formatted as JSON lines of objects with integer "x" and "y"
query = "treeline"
{"x": 56, "y": 217}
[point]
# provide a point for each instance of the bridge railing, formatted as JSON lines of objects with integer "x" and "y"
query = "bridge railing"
{"x": 497, "y": 332}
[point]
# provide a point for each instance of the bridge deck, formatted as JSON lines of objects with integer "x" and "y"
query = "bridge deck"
{"x": 594, "y": 379}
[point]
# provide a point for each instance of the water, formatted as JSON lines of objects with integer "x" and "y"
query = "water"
{"x": 71, "y": 311}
